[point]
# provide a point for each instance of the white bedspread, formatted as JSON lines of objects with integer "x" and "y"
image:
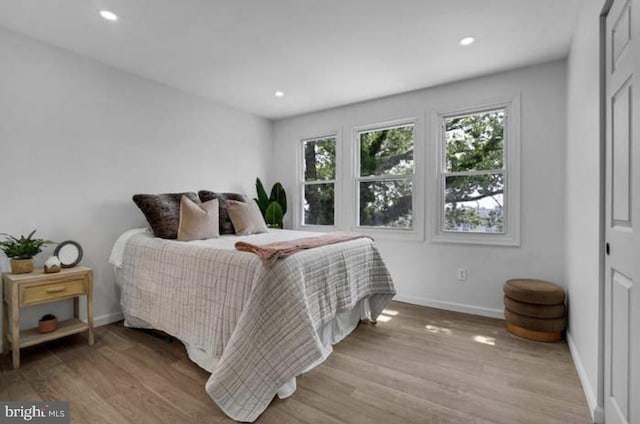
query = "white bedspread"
{"x": 254, "y": 326}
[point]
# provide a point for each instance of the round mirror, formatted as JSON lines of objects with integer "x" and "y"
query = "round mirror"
{"x": 69, "y": 253}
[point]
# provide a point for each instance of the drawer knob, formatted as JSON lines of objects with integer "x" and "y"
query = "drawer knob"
{"x": 56, "y": 289}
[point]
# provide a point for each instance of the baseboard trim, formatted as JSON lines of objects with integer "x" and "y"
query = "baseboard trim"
{"x": 452, "y": 306}
{"x": 107, "y": 319}
{"x": 597, "y": 412}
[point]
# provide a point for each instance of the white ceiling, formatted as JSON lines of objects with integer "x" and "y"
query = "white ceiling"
{"x": 321, "y": 53}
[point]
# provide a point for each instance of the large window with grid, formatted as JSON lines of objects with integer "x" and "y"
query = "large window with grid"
{"x": 478, "y": 173}
{"x": 318, "y": 181}
{"x": 385, "y": 176}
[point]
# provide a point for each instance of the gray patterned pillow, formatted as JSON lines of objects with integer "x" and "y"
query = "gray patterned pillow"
{"x": 226, "y": 227}
{"x": 163, "y": 212}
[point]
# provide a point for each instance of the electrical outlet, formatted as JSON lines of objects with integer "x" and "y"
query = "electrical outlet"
{"x": 462, "y": 274}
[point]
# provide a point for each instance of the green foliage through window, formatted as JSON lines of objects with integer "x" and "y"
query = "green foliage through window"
{"x": 386, "y": 203}
{"x": 319, "y": 204}
{"x": 319, "y": 175}
{"x": 387, "y": 151}
{"x": 386, "y": 177}
{"x": 474, "y": 172}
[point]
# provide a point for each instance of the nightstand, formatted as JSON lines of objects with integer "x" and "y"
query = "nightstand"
{"x": 36, "y": 288}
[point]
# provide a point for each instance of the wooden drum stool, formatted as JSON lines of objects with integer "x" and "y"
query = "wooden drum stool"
{"x": 535, "y": 309}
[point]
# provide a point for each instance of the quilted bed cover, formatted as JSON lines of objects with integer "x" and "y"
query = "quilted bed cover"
{"x": 260, "y": 324}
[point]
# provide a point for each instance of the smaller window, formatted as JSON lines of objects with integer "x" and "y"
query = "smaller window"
{"x": 385, "y": 179}
{"x": 318, "y": 181}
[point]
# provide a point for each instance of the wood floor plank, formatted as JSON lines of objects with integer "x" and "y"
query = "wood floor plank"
{"x": 13, "y": 386}
{"x": 303, "y": 412}
{"x": 173, "y": 389}
{"x": 456, "y": 372}
{"x": 60, "y": 383}
{"x": 418, "y": 365}
{"x": 411, "y": 408}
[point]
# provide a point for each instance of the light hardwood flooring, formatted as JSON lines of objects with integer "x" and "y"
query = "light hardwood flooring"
{"x": 417, "y": 365}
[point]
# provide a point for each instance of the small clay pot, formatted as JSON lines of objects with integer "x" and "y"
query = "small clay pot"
{"x": 47, "y": 326}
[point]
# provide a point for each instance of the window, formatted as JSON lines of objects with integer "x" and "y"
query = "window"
{"x": 473, "y": 177}
{"x": 318, "y": 181}
{"x": 385, "y": 176}
{"x": 476, "y": 173}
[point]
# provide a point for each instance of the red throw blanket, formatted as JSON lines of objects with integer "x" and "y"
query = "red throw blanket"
{"x": 272, "y": 251}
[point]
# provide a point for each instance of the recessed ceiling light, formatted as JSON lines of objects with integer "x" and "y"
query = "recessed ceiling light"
{"x": 467, "y": 41}
{"x": 109, "y": 16}
{"x": 279, "y": 94}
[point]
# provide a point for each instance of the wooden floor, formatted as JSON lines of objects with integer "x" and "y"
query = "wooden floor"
{"x": 417, "y": 365}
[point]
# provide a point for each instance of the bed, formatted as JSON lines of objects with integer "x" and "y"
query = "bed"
{"x": 254, "y": 326}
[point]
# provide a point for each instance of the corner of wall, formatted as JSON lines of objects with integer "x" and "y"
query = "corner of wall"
{"x": 107, "y": 319}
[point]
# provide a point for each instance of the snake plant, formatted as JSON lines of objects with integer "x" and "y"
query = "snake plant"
{"x": 274, "y": 206}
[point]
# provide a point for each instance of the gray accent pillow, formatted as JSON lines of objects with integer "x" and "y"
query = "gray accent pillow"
{"x": 226, "y": 226}
{"x": 163, "y": 211}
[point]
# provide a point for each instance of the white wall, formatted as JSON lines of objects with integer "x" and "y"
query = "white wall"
{"x": 425, "y": 272}
{"x": 78, "y": 139}
{"x": 582, "y": 215}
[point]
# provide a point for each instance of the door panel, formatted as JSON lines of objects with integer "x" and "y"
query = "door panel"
{"x": 620, "y": 34}
{"x": 622, "y": 226}
{"x": 620, "y": 325}
{"x": 621, "y": 110}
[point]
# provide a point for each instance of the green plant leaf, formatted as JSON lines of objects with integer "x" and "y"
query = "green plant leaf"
{"x": 274, "y": 215}
{"x": 263, "y": 199}
{"x": 279, "y": 195}
{"x": 23, "y": 247}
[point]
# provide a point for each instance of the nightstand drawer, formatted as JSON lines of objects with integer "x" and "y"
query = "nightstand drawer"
{"x": 50, "y": 292}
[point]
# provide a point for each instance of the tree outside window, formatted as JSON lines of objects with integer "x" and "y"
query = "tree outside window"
{"x": 473, "y": 180}
{"x": 319, "y": 174}
{"x": 385, "y": 176}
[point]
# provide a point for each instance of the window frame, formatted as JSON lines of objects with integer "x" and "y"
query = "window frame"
{"x": 511, "y": 169}
{"x": 300, "y": 224}
{"x": 416, "y": 232}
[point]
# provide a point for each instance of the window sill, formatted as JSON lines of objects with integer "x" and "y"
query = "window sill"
{"x": 392, "y": 234}
{"x": 316, "y": 228}
{"x": 506, "y": 240}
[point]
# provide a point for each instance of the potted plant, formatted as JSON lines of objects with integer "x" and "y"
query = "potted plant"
{"x": 273, "y": 207}
{"x": 21, "y": 251}
{"x": 47, "y": 324}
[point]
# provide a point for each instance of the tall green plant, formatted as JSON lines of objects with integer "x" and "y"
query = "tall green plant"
{"x": 263, "y": 199}
{"x": 274, "y": 215}
{"x": 280, "y": 196}
{"x": 273, "y": 207}
{"x": 23, "y": 247}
